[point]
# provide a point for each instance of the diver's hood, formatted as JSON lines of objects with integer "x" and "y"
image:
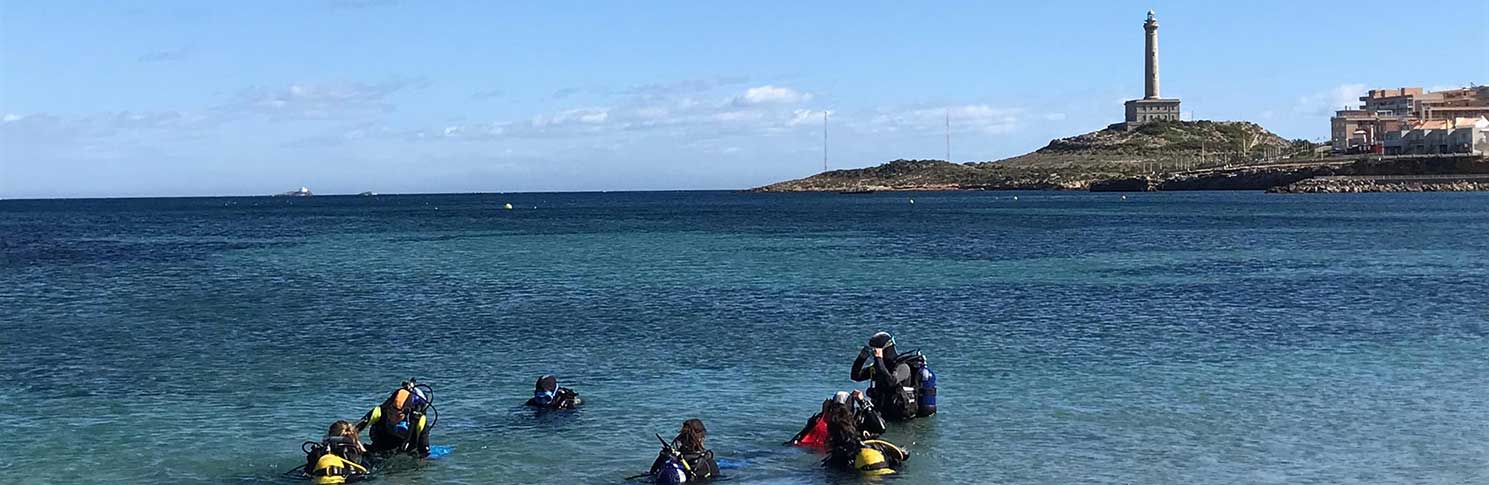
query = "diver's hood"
{"x": 548, "y": 383}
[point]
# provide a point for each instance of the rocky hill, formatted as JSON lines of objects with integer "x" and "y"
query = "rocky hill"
{"x": 895, "y": 175}
{"x": 1075, "y": 163}
{"x": 1181, "y": 142}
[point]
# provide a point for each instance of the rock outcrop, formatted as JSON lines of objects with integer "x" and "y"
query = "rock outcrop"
{"x": 1101, "y": 159}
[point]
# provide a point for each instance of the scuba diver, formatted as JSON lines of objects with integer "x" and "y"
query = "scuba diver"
{"x": 865, "y": 418}
{"x": 848, "y": 450}
{"x": 902, "y": 387}
{"x": 401, "y": 423}
{"x": 547, "y": 395}
{"x": 685, "y": 460}
{"x": 338, "y": 458}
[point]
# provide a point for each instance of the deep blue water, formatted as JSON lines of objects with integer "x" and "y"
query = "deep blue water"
{"x": 1079, "y": 338}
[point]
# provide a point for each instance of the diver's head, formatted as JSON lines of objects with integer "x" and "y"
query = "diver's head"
{"x": 690, "y": 437}
{"x": 341, "y": 428}
{"x": 545, "y": 389}
{"x": 840, "y": 397}
{"x": 841, "y": 427}
{"x": 883, "y": 340}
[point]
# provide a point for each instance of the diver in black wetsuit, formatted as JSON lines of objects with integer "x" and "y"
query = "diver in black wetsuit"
{"x": 848, "y": 450}
{"x": 547, "y": 395}
{"x": 890, "y": 388}
{"x": 338, "y": 458}
{"x": 685, "y": 460}
{"x": 400, "y": 423}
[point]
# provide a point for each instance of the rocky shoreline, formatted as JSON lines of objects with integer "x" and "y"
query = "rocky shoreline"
{"x": 1361, "y": 184}
{"x": 1333, "y": 175}
{"x": 1158, "y": 156}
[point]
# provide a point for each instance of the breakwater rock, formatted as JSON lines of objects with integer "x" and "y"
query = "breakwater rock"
{"x": 1387, "y": 183}
{"x": 1237, "y": 179}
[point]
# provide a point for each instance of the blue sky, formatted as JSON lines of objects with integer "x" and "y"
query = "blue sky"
{"x": 212, "y": 98}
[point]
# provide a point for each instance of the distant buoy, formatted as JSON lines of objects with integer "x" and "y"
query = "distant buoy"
{"x": 507, "y": 207}
{"x": 1124, "y": 197}
{"x": 1015, "y": 197}
{"x": 912, "y": 201}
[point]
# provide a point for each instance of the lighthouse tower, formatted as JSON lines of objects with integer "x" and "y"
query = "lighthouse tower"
{"x": 1152, "y": 107}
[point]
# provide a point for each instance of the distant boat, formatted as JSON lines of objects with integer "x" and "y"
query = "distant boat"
{"x": 368, "y": 194}
{"x": 303, "y": 192}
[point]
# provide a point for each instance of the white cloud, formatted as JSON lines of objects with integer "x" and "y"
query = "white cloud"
{"x": 978, "y": 118}
{"x": 668, "y": 109}
{"x": 1055, "y": 116}
{"x": 738, "y": 115}
{"x": 807, "y": 117}
{"x": 676, "y": 88}
{"x": 771, "y": 95}
{"x": 312, "y": 101}
{"x": 652, "y": 112}
{"x": 588, "y": 116}
{"x": 1325, "y": 102}
{"x": 594, "y": 118}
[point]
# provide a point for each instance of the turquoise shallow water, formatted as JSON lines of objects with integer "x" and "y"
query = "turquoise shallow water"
{"x": 1079, "y": 338}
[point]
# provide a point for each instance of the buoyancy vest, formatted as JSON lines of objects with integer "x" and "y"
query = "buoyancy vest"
{"x": 817, "y": 437}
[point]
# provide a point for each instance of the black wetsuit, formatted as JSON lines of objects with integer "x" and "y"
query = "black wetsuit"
{"x": 869, "y": 421}
{"x": 565, "y": 398}
{"x": 385, "y": 433}
{"x": 884, "y": 392}
{"x": 387, "y": 438}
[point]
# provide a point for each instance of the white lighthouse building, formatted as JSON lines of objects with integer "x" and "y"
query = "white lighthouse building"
{"x": 1152, "y": 107}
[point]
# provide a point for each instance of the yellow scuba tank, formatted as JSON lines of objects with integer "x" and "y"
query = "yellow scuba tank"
{"x": 872, "y": 461}
{"x": 332, "y": 469}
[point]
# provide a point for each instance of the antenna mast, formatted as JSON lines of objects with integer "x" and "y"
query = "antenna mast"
{"x": 948, "y": 134}
{"x": 824, "y": 140}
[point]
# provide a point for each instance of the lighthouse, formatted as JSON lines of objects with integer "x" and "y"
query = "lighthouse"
{"x": 1152, "y": 107}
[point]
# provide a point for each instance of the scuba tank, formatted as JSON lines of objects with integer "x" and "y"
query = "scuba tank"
{"x": 871, "y": 462}
{"x": 923, "y": 383}
{"x": 878, "y": 458}
{"x": 674, "y": 472}
{"x": 683, "y": 467}
{"x": 925, "y": 395}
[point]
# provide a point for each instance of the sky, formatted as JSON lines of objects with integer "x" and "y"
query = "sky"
{"x": 111, "y": 99}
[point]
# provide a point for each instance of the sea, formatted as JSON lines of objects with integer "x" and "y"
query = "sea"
{"x": 1146, "y": 338}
